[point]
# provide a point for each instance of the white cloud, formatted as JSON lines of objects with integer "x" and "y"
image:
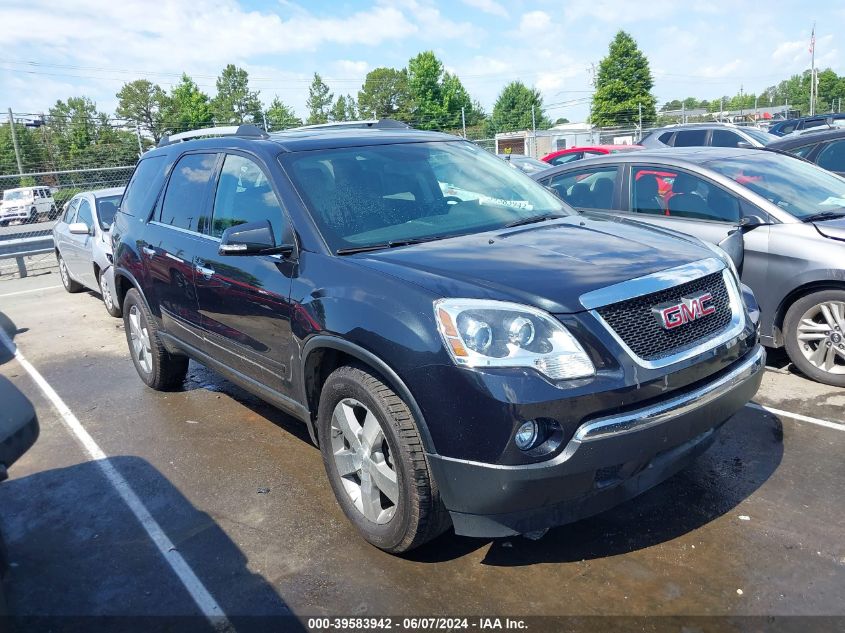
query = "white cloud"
{"x": 534, "y": 22}
{"x": 719, "y": 70}
{"x": 487, "y": 6}
{"x": 350, "y": 67}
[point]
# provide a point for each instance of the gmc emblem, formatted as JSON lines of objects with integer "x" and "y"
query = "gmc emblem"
{"x": 672, "y": 315}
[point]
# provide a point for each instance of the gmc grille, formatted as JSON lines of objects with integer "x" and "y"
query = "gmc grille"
{"x": 634, "y": 322}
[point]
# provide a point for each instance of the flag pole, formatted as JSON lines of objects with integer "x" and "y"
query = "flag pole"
{"x": 813, "y": 71}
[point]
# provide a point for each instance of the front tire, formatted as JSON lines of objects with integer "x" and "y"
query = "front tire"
{"x": 814, "y": 333}
{"x": 69, "y": 284}
{"x": 375, "y": 462}
{"x": 158, "y": 368}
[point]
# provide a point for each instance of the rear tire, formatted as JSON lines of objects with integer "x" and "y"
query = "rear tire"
{"x": 108, "y": 299}
{"x": 814, "y": 334}
{"x": 33, "y": 216}
{"x": 69, "y": 284}
{"x": 158, "y": 368}
{"x": 376, "y": 463}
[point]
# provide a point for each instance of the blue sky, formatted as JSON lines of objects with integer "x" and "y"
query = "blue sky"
{"x": 704, "y": 48}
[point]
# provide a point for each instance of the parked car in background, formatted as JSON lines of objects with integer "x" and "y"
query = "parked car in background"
{"x": 490, "y": 361}
{"x": 793, "y": 225}
{"x": 707, "y": 135}
{"x": 523, "y": 163}
{"x": 27, "y": 204}
{"x": 823, "y": 146}
{"x": 782, "y": 128}
{"x": 563, "y": 156}
{"x": 83, "y": 244}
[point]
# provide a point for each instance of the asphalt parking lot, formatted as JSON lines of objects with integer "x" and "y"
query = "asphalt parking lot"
{"x": 754, "y": 527}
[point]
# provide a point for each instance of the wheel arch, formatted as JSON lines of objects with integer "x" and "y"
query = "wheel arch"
{"x": 798, "y": 293}
{"x": 323, "y": 354}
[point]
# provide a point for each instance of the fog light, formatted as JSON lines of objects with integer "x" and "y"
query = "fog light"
{"x": 526, "y": 435}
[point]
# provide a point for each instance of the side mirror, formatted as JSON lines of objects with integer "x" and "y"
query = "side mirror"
{"x": 745, "y": 145}
{"x": 252, "y": 238}
{"x": 79, "y": 228}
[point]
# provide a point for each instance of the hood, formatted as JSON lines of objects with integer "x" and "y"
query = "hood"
{"x": 548, "y": 265}
{"x": 832, "y": 228}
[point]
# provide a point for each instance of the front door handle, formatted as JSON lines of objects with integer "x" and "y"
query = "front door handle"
{"x": 205, "y": 272}
{"x": 148, "y": 251}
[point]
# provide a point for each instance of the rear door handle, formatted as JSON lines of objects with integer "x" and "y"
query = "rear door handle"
{"x": 205, "y": 272}
{"x": 148, "y": 251}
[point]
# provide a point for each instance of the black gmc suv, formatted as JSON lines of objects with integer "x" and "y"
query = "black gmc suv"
{"x": 464, "y": 347}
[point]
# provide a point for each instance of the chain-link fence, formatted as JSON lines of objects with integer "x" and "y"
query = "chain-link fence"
{"x": 31, "y": 205}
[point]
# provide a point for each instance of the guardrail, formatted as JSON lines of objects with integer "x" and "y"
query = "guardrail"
{"x": 18, "y": 248}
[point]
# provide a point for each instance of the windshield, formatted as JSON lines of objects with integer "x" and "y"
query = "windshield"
{"x": 794, "y": 185}
{"x": 17, "y": 194}
{"x": 759, "y": 135}
{"x": 106, "y": 208}
{"x": 373, "y": 195}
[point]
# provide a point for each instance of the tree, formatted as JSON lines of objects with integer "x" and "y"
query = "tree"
{"x": 319, "y": 101}
{"x": 455, "y": 98}
{"x": 145, "y": 104}
{"x": 513, "y": 108}
{"x": 343, "y": 109}
{"x": 235, "y": 103}
{"x": 30, "y": 145}
{"x": 280, "y": 116}
{"x": 385, "y": 94}
{"x": 425, "y": 74}
{"x": 623, "y": 85}
{"x": 561, "y": 120}
{"x": 188, "y": 107}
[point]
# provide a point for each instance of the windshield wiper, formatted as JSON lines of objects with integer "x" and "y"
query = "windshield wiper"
{"x": 391, "y": 244}
{"x": 531, "y": 220}
{"x": 824, "y": 215}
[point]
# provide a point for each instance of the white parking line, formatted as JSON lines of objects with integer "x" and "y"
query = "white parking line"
{"x": 23, "y": 292}
{"x": 839, "y": 426}
{"x": 201, "y": 596}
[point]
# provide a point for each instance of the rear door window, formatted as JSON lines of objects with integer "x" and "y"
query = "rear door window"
{"x": 802, "y": 151}
{"x": 70, "y": 211}
{"x": 587, "y": 188}
{"x": 665, "y": 138}
{"x": 143, "y": 187}
{"x": 184, "y": 200}
{"x": 832, "y": 156}
{"x": 690, "y": 138}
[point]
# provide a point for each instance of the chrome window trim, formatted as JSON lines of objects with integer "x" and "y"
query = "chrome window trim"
{"x": 659, "y": 413}
{"x": 659, "y": 281}
{"x": 181, "y": 230}
{"x": 648, "y": 284}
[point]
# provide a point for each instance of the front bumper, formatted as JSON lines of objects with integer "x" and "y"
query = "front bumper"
{"x": 11, "y": 216}
{"x": 607, "y": 461}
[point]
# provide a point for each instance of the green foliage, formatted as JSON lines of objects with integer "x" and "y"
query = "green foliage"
{"x": 189, "y": 107}
{"x": 343, "y": 109}
{"x": 425, "y": 75}
{"x": 235, "y": 103}
{"x": 319, "y": 101}
{"x": 146, "y": 104}
{"x": 31, "y": 149}
{"x": 280, "y": 116}
{"x": 623, "y": 84}
{"x": 513, "y": 107}
{"x": 385, "y": 94}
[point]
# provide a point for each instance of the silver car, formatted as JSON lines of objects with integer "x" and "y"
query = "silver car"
{"x": 789, "y": 214}
{"x": 707, "y": 135}
{"x": 83, "y": 244}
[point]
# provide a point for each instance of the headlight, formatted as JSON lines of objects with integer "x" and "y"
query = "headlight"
{"x": 486, "y": 333}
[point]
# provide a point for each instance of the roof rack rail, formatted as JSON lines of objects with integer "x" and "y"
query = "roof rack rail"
{"x": 246, "y": 131}
{"x": 379, "y": 124}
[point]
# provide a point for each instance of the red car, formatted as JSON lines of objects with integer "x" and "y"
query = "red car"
{"x": 577, "y": 153}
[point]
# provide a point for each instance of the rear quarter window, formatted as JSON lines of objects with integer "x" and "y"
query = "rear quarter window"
{"x": 144, "y": 186}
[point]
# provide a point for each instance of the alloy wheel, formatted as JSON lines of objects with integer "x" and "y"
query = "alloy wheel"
{"x": 63, "y": 273}
{"x": 363, "y": 460}
{"x": 107, "y": 298}
{"x": 821, "y": 335}
{"x": 140, "y": 337}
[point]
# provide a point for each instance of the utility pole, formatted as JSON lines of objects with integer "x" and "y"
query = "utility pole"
{"x": 721, "y": 109}
{"x": 640, "y": 115}
{"x": 683, "y": 112}
{"x": 755, "y": 108}
{"x": 813, "y": 71}
{"x": 464, "y": 120}
{"x": 264, "y": 116}
{"x": 138, "y": 135}
{"x": 15, "y": 142}
{"x": 534, "y": 131}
